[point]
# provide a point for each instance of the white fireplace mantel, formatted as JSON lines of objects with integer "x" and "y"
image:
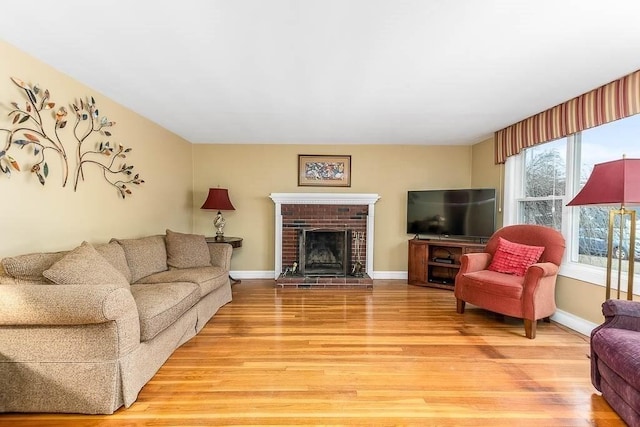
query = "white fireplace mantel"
{"x": 324, "y": 199}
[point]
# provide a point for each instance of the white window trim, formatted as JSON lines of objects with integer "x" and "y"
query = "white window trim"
{"x": 512, "y": 184}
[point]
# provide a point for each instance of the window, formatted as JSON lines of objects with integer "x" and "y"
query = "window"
{"x": 542, "y": 179}
{"x": 544, "y": 184}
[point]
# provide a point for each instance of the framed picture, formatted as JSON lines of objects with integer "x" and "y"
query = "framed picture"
{"x": 324, "y": 171}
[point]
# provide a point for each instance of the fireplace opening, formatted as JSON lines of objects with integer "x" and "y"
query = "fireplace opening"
{"x": 324, "y": 252}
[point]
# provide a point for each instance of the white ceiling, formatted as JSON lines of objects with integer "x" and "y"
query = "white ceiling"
{"x": 332, "y": 71}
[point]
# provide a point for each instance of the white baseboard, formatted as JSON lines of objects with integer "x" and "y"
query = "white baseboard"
{"x": 253, "y": 274}
{"x": 398, "y": 275}
{"x": 574, "y": 322}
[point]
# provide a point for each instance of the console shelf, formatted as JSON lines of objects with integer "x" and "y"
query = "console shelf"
{"x": 435, "y": 263}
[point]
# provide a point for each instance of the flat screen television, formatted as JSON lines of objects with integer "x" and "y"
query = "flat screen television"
{"x": 462, "y": 213}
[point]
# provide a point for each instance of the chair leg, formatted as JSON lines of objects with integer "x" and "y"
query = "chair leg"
{"x": 530, "y": 328}
{"x": 460, "y": 306}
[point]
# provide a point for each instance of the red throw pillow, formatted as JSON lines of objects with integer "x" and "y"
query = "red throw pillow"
{"x": 514, "y": 258}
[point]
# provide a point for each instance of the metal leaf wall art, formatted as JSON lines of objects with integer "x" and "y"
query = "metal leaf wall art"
{"x": 37, "y": 127}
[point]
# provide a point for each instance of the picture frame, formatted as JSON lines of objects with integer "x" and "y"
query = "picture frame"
{"x": 324, "y": 170}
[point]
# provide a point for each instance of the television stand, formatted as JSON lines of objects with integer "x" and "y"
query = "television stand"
{"x": 435, "y": 263}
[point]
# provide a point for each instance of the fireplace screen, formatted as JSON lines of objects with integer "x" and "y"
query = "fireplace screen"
{"x": 324, "y": 252}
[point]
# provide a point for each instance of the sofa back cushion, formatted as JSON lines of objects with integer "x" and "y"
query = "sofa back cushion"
{"x": 114, "y": 253}
{"x": 84, "y": 266}
{"x": 145, "y": 255}
{"x": 29, "y": 267}
{"x": 187, "y": 250}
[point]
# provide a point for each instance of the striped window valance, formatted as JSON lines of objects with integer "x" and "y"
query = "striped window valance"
{"x": 613, "y": 101}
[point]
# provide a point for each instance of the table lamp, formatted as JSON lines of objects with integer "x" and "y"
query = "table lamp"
{"x": 218, "y": 199}
{"x": 612, "y": 183}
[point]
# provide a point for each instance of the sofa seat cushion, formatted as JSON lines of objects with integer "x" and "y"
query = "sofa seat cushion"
{"x": 619, "y": 349}
{"x": 161, "y": 304}
{"x": 207, "y": 278}
{"x": 492, "y": 282}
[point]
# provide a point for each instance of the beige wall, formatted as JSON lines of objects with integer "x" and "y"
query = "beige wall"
{"x": 582, "y": 299}
{"x": 486, "y": 174}
{"x": 36, "y": 217}
{"x": 252, "y": 172}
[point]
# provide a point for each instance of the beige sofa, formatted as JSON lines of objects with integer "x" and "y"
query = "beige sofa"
{"x": 83, "y": 331}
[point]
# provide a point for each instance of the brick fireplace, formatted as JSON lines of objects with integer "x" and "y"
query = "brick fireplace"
{"x": 340, "y": 225}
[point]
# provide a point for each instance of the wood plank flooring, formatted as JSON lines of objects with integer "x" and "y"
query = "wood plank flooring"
{"x": 392, "y": 355}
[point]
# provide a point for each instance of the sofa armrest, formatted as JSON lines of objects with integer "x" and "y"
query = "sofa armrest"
{"x": 64, "y": 304}
{"x": 475, "y": 261}
{"x": 220, "y": 255}
{"x": 621, "y": 314}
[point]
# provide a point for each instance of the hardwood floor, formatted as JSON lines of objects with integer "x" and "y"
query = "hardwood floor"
{"x": 392, "y": 355}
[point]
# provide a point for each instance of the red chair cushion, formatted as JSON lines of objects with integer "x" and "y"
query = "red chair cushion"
{"x": 514, "y": 258}
{"x": 493, "y": 285}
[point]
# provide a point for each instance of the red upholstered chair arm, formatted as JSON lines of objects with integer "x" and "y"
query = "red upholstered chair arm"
{"x": 535, "y": 275}
{"x": 538, "y": 294}
{"x": 540, "y": 270}
{"x": 474, "y": 262}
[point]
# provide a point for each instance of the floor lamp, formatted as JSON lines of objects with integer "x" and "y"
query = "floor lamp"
{"x": 615, "y": 183}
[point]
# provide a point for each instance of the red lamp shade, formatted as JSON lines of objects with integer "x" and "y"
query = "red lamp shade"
{"x": 218, "y": 199}
{"x": 614, "y": 182}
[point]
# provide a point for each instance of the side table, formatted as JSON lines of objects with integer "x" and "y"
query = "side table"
{"x": 235, "y": 242}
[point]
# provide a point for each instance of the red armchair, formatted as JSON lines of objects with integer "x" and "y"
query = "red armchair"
{"x": 529, "y": 297}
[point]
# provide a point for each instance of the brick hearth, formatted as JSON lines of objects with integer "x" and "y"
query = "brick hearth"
{"x": 324, "y": 282}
